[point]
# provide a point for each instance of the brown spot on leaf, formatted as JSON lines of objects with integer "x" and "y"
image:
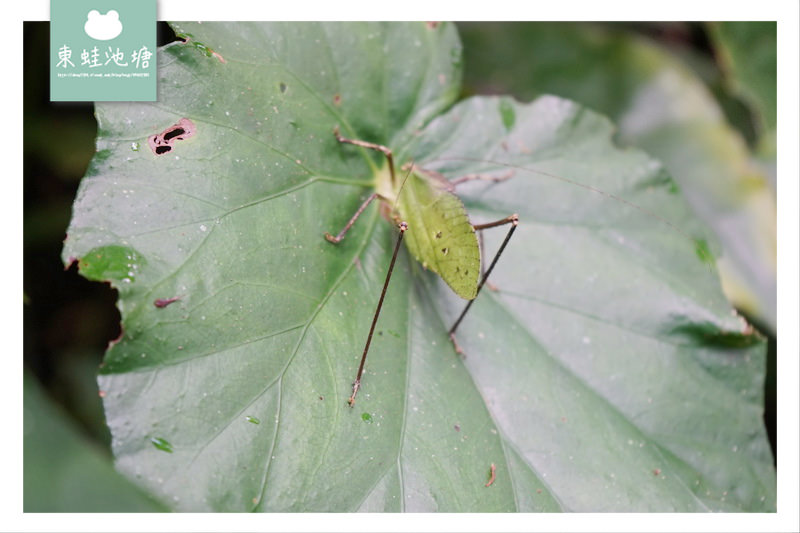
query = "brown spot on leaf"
{"x": 492, "y": 471}
{"x": 163, "y": 302}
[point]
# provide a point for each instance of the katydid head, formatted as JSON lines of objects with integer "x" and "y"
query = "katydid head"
{"x": 407, "y": 168}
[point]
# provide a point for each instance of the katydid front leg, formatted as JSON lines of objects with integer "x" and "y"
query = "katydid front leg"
{"x": 346, "y": 228}
{"x": 372, "y": 146}
{"x": 379, "y": 147}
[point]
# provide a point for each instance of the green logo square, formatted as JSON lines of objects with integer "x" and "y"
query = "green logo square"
{"x": 103, "y": 50}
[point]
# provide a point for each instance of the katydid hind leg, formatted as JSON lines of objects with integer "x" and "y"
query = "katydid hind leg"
{"x": 489, "y": 285}
{"x": 357, "y": 382}
{"x": 514, "y": 221}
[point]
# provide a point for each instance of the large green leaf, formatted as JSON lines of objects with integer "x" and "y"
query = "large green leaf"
{"x": 607, "y": 373}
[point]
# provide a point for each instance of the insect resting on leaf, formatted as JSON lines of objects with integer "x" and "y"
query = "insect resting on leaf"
{"x": 440, "y": 235}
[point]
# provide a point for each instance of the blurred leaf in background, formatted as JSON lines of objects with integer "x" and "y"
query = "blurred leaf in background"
{"x": 659, "y": 100}
{"x": 64, "y": 472}
{"x": 67, "y": 323}
{"x": 67, "y": 320}
{"x": 747, "y": 53}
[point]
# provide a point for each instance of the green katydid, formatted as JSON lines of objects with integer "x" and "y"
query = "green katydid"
{"x": 441, "y": 236}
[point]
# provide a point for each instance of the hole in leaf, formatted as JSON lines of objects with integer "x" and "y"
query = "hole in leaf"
{"x": 163, "y": 142}
{"x": 174, "y": 133}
